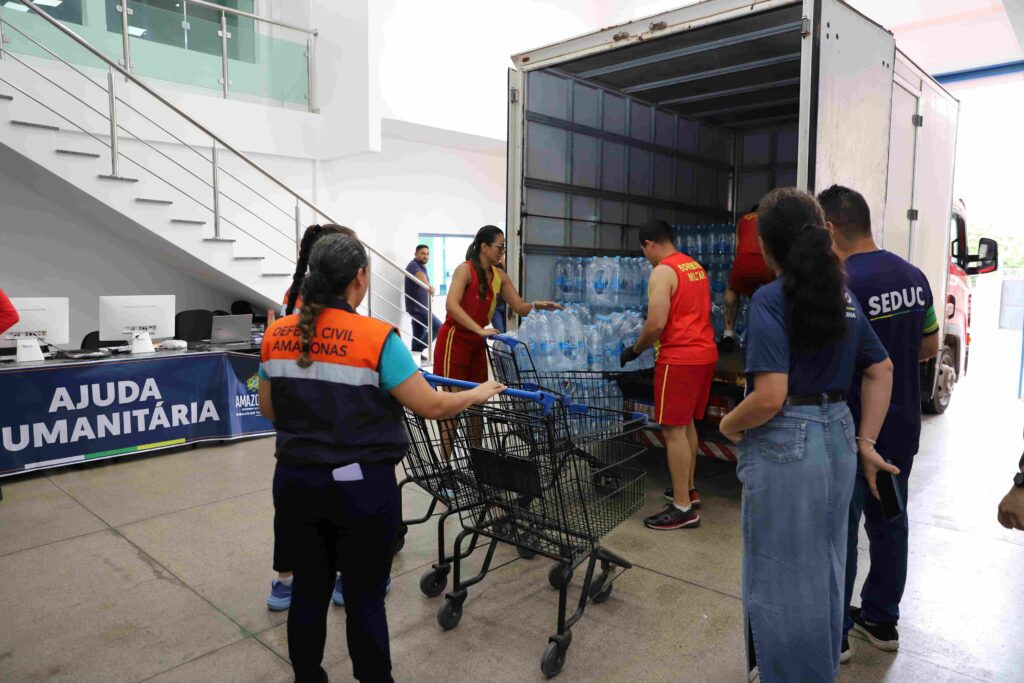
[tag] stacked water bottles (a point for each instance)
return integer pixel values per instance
(612, 282)
(575, 339)
(713, 246)
(605, 295)
(572, 349)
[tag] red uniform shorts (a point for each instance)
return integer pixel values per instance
(748, 273)
(681, 393)
(460, 355)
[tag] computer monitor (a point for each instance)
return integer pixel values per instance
(42, 318)
(122, 316)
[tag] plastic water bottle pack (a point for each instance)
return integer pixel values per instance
(567, 341)
(605, 297)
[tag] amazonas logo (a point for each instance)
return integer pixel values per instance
(251, 398)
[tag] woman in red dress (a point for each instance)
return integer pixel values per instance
(472, 298)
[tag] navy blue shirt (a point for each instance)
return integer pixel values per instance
(830, 369)
(898, 302)
(414, 292)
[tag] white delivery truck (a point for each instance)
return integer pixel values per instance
(692, 115)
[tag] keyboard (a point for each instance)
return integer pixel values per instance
(83, 355)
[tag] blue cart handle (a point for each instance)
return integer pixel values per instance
(505, 339)
(584, 409)
(542, 397)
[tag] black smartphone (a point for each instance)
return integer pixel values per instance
(891, 496)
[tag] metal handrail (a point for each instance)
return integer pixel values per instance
(248, 15)
(167, 103)
(121, 126)
(401, 293)
(147, 118)
(140, 166)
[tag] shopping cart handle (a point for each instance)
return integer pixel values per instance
(506, 340)
(584, 409)
(577, 408)
(542, 397)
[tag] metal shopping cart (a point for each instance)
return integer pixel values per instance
(513, 365)
(427, 465)
(543, 474)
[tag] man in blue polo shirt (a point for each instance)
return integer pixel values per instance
(417, 301)
(897, 300)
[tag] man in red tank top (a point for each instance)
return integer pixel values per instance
(679, 326)
(748, 273)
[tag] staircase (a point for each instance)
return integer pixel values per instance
(104, 133)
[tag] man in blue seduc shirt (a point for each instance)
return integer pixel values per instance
(897, 300)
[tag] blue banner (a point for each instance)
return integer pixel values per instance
(59, 414)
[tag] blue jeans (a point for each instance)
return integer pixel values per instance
(888, 547)
(419, 328)
(797, 472)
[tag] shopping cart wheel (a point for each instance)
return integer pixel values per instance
(598, 592)
(450, 614)
(560, 575)
(400, 538)
(434, 581)
(525, 553)
(554, 654)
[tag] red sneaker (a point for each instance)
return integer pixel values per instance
(669, 495)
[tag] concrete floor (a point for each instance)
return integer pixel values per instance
(157, 569)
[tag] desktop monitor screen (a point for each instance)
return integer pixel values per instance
(45, 319)
(121, 316)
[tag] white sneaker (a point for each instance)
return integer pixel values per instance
(846, 652)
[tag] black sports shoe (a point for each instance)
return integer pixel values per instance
(845, 653)
(673, 518)
(669, 496)
(883, 636)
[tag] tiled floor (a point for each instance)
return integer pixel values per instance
(157, 569)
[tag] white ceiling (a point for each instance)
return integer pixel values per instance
(940, 35)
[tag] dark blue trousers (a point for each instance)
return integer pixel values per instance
(419, 328)
(350, 526)
(888, 547)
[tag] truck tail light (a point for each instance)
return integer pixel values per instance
(718, 407)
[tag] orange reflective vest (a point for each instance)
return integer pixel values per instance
(333, 412)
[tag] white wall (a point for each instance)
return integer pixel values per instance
(417, 183)
(445, 64)
(989, 149)
(61, 248)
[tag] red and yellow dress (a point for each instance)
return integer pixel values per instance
(462, 353)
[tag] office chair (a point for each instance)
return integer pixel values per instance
(192, 326)
(92, 342)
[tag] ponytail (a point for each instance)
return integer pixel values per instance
(314, 294)
(792, 227)
(309, 238)
(485, 235)
(334, 263)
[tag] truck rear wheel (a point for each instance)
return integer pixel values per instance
(944, 384)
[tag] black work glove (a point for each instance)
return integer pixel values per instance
(628, 355)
